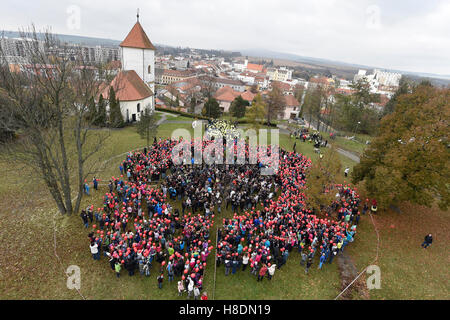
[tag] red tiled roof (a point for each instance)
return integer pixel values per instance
(128, 87)
(281, 85)
(291, 101)
(226, 94)
(248, 95)
(256, 67)
(321, 80)
(224, 89)
(137, 39)
(344, 91)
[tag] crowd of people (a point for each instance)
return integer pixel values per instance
(314, 137)
(137, 225)
(261, 240)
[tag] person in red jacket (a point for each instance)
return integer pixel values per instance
(262, 272)
(204, 296)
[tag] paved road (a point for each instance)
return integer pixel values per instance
(348, 154)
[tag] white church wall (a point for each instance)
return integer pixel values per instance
(130, 108)
(140, 60)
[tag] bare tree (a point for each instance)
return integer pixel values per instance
(208, 86)
(47, 99)
(275, 102)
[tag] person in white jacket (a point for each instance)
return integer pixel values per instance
(196, 293)
(180, 287)
(271, 270)
(94, 250)
(245, 259)
(190, 288)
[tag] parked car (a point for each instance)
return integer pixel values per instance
(297, 121)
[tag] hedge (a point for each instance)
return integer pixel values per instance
(196, 116)
(185, 114)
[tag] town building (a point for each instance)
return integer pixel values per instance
(169, 76)
(291, 108)
(134, 85)
(218, 83)
(382, 82)
(226, 95)
(255, 68)
(279, 74)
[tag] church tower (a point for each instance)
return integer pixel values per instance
(138, 54)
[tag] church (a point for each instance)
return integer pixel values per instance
(134, 84)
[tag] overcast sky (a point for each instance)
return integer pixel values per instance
(410, 35)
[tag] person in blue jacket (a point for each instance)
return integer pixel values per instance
(240, 248)
(322, 260)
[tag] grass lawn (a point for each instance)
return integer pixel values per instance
(29, 268)
(407, 270)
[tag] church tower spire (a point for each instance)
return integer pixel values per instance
(138, 54)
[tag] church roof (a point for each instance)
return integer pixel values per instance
(255, 67)
(128, 87)
(137, 38)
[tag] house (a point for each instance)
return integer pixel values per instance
(248, 96)
(225, 97)
(284, 87)
(168, 76)
(160, 104)
(240, 67)
(255, 68)
(291, 108)
(281, 74)
(218, 83)
(247, 77)
(324, 82)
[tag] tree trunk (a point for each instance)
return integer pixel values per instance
(50, 178)
(80, 164)
(65, 183)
